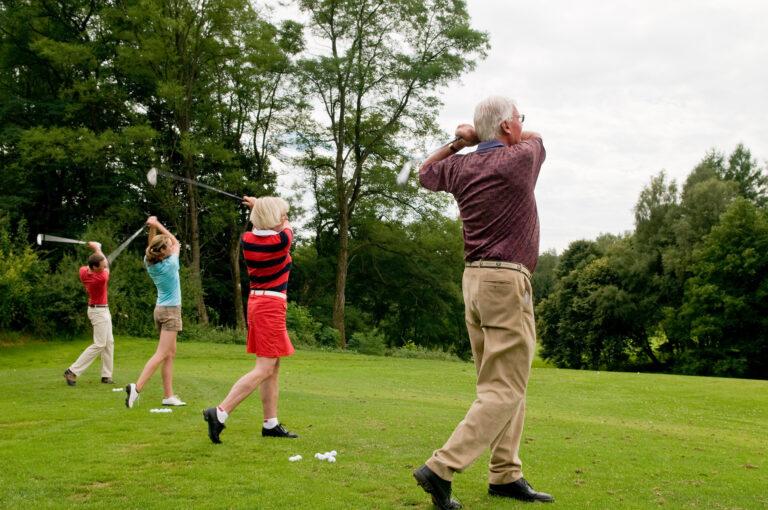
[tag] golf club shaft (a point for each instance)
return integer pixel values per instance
(196, 183)
(405, 171)
(57, 239)
(112, 256)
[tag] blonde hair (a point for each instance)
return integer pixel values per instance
(490, 113)
(153, 254)
(268, 212)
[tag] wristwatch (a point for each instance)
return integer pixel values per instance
(452, 148)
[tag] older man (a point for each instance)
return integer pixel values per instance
(494, 188)
(95, 277)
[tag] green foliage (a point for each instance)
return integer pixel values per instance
(20, 274)
(685, 292)
(726, 299)
(412, 351)
(369, 342)
(378, 77)
(304, 329)
(543, 279)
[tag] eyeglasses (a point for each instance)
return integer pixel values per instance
(519, 116)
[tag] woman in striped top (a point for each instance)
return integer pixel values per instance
(266, 250)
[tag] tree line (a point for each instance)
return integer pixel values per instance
(94, 93)
(685, 292)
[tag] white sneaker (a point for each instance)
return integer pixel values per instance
(173, 400)
(131, 395)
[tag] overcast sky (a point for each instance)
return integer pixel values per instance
(620, 90)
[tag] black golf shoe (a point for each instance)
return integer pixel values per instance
(214, 425)
(439, 489)
(278, 431)
(520, 490)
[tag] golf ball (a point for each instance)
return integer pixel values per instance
(331, 459)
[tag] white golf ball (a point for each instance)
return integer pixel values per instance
(331, 459)
(333, 452)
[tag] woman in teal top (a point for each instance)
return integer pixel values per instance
(162, 263)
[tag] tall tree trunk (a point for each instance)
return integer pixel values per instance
(194, 227)
(341, 278)
(237, 288)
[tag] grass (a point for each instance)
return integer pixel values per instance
(595, 440)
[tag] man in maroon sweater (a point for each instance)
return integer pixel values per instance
(494, 188)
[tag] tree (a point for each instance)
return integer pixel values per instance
(208, 75)
(726, 299)
(544, 278)
(747, 174)
(374, 85)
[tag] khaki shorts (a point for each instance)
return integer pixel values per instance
(168, 318)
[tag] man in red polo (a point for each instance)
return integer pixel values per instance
(95, 277)
(494, 188)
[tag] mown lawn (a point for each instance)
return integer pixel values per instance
(593, 439)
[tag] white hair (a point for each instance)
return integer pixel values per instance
(268, 212)
(490, 113)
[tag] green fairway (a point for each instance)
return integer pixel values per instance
(593, 439)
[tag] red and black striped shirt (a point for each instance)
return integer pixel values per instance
(267, 256)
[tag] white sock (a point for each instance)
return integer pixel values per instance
(221, 415)
(271, 423)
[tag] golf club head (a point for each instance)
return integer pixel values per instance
(152, 176)
(39, 239)
(405, 172)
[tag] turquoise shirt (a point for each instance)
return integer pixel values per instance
(165, 274)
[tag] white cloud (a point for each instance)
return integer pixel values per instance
(620, 91)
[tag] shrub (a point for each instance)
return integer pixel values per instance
(20, 272)
(302, 327)
(411, 350)
(369, 342)
(328, 337)
(194, 332)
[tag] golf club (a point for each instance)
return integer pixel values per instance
(152, 179)
(112, 256)
(405, 172)
(56, 239)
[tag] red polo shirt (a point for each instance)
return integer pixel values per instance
(95, 285)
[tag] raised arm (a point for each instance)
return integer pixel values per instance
(527, 135)
(96, 247)
(153, 223)
(465, 137)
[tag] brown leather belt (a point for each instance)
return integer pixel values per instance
(500, 264)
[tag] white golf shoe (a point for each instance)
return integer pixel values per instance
(173, 400)
(131, 395)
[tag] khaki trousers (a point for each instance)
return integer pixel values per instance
(103, 344)
(498, 306)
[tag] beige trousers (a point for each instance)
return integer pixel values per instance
(103, 344)
(498, 306)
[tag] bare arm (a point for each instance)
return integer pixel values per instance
(154, 223)
(465, 137)
(96, 247)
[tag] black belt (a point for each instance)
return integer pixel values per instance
(98, 306)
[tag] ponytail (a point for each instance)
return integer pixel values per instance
(154, 254)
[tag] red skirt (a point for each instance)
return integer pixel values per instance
(267, 334)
